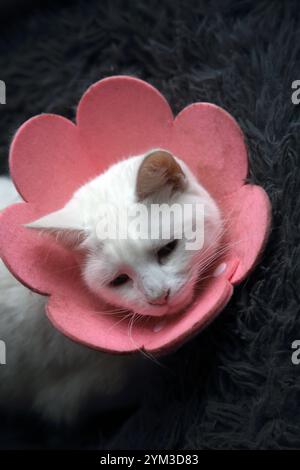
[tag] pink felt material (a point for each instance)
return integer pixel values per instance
(118, 117)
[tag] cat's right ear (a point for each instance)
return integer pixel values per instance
(64, 225)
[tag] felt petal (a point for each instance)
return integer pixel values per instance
(35, 259)
(216, 293)
(248, 216)
(46, 161)
(83, 318)
(210, 141)
(122, 116)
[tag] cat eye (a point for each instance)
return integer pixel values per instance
(166, 250)
(120, 280)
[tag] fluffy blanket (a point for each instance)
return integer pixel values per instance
(234, 385)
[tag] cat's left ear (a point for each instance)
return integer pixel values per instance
(159, 172)
(64, 225)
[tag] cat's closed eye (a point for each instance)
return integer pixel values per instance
(166, 250)
(119, 280)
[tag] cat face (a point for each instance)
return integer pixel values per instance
(152, 268)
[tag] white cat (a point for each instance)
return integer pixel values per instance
(47, 371)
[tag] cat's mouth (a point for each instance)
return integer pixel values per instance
(173, 307)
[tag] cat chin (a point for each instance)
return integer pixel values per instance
(173, 308)
(168, 310)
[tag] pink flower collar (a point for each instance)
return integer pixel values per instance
(120, 116)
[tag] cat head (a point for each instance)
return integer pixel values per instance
(147, 230)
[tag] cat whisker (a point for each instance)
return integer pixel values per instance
(148, 355)
(120, 321)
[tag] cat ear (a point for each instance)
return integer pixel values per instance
(158, 171)
(63, 224)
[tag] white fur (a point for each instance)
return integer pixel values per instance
(49, 372)
(44, 370)
(8, 193)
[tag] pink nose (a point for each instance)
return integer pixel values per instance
(161, 300)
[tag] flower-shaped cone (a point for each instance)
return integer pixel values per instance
(119, 117)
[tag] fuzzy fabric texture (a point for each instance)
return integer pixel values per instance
(234, 385)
